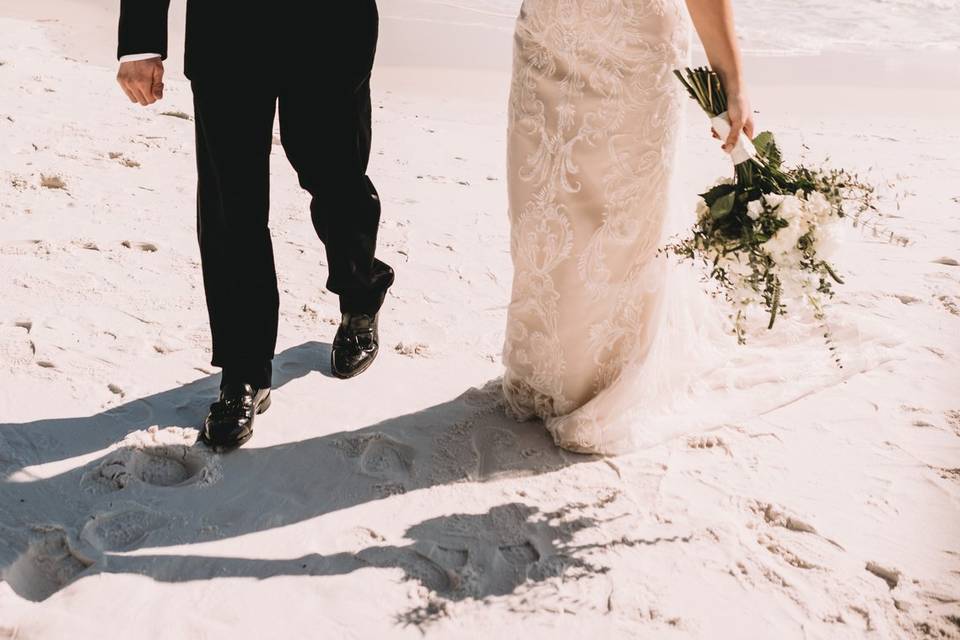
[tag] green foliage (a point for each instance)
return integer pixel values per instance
(731, 242)
(717, 192)
(723, 205)
(767, 149)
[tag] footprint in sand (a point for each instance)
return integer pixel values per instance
(156, 457)
(785, 553)
(501, 453)
(449, 560)
(520, 555)
(49, 563)
(415, 565)
(122, 159)
(906, 299)
(146, 247)
(122, 528)
(950, 304)
(486, 397)
(504, 448)
(495, 448)
(382, 457)
(953, 419)
(708, 442)
(778, 517)
(437, 568)
(412, 349)
(889, 575)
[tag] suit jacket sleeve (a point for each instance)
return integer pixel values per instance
(143, 27)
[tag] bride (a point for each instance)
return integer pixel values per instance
(594, 125)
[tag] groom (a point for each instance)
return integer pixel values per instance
(311, 61)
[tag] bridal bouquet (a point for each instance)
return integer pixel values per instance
(768, 234)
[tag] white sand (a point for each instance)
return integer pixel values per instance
(425, 510)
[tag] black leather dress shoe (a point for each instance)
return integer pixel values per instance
(355, 346)
(230, 423)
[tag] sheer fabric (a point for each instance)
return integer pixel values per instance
(609, 343)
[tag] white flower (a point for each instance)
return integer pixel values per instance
(819, 206)
(782, 247)
(791, 208)
(773, 200)
(828, 240)
(755, 209)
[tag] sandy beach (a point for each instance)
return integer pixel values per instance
(429, 512)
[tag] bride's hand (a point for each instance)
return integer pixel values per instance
(741, 119)
(714, 22)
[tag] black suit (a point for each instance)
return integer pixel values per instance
(313, 59)
(239, 37)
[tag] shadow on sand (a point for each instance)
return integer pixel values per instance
(159, 488)
(43, 441)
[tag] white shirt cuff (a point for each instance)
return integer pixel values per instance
(133, 57)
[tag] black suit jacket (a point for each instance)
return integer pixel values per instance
(251, 38)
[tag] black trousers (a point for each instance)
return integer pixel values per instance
(325, 131)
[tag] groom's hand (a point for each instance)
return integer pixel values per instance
(142, 80)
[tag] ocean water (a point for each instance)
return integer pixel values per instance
(768, 27)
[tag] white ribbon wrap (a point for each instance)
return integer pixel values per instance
(744, 149)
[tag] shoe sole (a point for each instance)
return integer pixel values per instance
(261, 408)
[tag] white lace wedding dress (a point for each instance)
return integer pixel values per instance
(598, 344)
